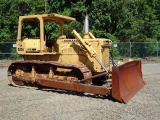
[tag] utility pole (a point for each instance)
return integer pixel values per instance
(45, 1)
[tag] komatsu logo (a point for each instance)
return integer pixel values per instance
(20, 49)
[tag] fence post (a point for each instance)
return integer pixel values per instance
(157, 48)
(130, 49)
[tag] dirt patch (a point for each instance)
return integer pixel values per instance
(18, 103)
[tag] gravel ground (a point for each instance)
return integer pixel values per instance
(33, 104)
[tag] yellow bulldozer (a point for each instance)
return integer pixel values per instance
(82, 64)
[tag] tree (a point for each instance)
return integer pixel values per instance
(118, 20)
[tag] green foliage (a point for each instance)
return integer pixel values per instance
(124, 21)
(15, 55)
(52, 31)
(141, 50)
(116, 54)
(118, 20)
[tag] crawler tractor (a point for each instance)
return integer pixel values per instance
(82, 64)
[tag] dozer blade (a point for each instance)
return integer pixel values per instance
(127, 80)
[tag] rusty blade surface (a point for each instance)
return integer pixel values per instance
(127, 80)
(74, 87)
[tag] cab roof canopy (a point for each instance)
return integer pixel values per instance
(48, 18)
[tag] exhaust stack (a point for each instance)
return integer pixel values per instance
(86, 24)
(87, 34)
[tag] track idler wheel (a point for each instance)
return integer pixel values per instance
(14, 82)
(19, 70)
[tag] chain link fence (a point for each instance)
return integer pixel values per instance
(136, 49)
(120, 50)
(8, 51)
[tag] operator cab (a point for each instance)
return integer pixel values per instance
(35, 32)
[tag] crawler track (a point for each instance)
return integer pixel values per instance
(24, 68)
(54, 74)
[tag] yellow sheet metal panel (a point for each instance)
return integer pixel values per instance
(32, 45)
(49, 17)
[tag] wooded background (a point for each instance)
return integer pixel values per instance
(118, 20)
